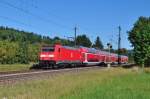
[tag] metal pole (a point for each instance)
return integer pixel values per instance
(75, 35)
(119, 44)
(109, 55)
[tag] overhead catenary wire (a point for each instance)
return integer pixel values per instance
(47, 20)
(18, 22)
(49, 11)
(34, 15)
(56, 16)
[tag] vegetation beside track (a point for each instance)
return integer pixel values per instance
(115, 83)
(14, 67)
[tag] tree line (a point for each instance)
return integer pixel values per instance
(23, 47)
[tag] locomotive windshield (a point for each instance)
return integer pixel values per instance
(48, 49)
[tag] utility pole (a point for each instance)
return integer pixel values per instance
(119, 44)
(75, 36)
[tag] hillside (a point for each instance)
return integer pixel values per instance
(15, 35)
(23, 47)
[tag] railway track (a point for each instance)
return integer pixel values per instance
(13, 72)
(14, 77)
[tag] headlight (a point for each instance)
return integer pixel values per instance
(50, 55)
(46, 55)
(42, 55)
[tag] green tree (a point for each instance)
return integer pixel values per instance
(83, 40)
(98, 44)
(8, 51)
(22, 54)
(33, 52)
(139, 36)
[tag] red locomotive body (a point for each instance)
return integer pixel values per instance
(58, 54)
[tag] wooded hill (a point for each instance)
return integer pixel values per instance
(18, 46)
(23, 47)
(14, 35)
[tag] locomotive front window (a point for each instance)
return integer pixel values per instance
(48, 49)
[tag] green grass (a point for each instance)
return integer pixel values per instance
(93, 84)
(14, 67)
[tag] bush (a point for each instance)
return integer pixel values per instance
(14, 52)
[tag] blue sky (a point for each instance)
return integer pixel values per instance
(58, 17)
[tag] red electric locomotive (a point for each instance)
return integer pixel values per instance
(59, 55)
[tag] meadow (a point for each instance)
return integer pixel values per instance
(14, 67)
(114, 83)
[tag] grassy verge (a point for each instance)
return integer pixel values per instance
(93, 84)
(14, 67)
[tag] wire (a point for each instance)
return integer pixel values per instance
(33, 5)
(39, 17)
(31, 14)
(16, 21)
(56, 16)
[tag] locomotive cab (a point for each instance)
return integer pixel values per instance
(48, 56)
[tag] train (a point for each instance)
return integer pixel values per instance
(59, 55)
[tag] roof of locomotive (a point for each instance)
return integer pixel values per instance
(72, 48)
